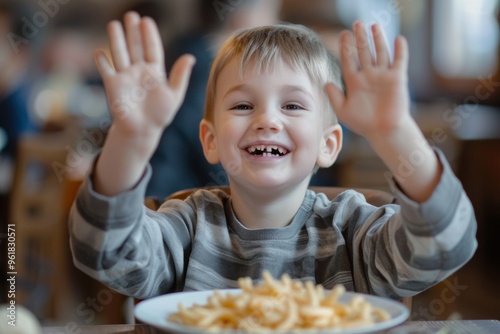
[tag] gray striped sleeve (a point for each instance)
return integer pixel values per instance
(108, 237)
(420, 245)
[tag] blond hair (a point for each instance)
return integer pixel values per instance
(266, 46)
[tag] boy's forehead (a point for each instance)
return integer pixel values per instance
(232, 74)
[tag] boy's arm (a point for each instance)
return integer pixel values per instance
(377, 106)
(141, 99)
(433, 233)
(108, 223)
(400, 250)
(137, 252)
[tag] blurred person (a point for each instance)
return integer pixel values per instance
(14, 86)
(178, 162)
(14, 111)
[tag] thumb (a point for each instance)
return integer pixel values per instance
(103, 65)
(181, 71)
(335, 96)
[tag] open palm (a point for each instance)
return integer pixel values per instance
(377, 99)
(141, 98)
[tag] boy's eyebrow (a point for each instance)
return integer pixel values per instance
(295, 88)
(235, 88)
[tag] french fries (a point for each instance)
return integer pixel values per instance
(276, 306)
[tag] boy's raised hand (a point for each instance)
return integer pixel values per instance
(141, 98)
(377, 106)
(377, 99)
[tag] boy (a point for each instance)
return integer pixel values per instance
(269, 123)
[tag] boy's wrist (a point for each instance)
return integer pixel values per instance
(394, 135)
(410, 158)
(142, 144)
(400, 142)
(123, 160)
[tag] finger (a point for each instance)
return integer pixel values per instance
(382, 52)
(153, 47)
(363, 45)
(118, 46)
(103, 65)
(134, 40)
(401, 54)
(348, 53)
(181, 71)
(335, 96)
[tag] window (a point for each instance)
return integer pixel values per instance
(465, 38)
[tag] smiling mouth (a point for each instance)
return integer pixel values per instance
(267, 150)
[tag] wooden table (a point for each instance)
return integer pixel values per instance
(421, 327)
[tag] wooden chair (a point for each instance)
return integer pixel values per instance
(373, 196)
(37, 211)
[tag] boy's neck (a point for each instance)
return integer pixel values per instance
(267, 208)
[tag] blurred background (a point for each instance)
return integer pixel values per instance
(54, 118)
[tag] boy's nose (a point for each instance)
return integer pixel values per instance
(267, 120)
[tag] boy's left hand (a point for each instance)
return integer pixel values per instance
(376, 102)
(377, 106)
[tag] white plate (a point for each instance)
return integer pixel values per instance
(155, 312)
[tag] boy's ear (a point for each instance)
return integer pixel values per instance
(207, 138)
(331, 144)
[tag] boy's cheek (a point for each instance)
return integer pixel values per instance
(233, 167)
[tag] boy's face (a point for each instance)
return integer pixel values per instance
(268, 129)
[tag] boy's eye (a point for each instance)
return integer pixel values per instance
(293, 107)
(241, 107)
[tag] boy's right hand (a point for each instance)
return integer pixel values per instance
(141, 99)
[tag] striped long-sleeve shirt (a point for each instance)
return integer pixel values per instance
(394, 250)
